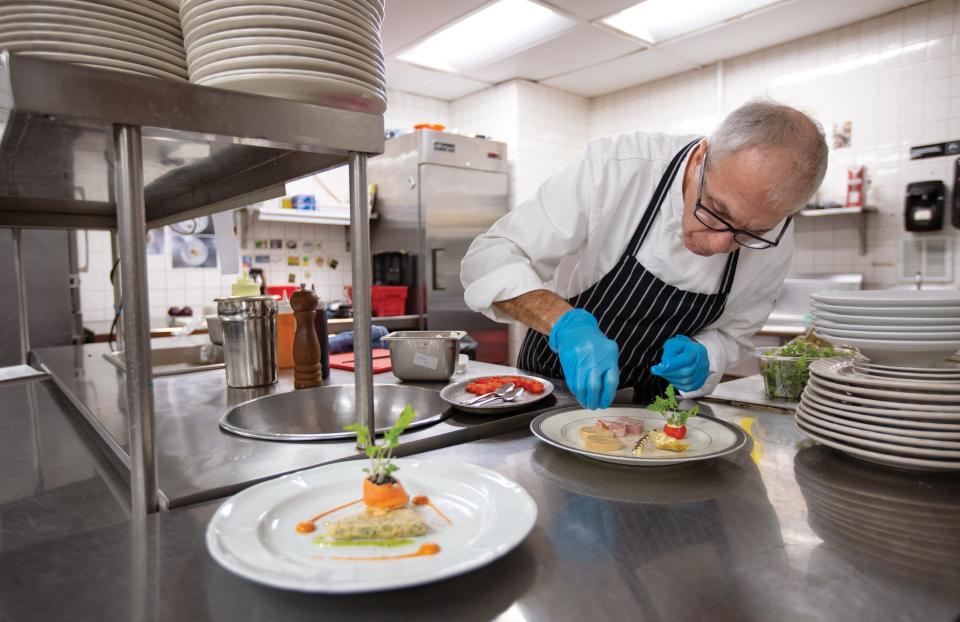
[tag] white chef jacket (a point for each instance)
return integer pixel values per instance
(576, 228)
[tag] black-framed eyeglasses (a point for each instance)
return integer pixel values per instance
(712, 221)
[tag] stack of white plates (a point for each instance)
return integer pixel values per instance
(324, 52)
(903, 418)
(917, 328)
(134, 36)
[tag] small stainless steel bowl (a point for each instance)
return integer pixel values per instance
(424, 354)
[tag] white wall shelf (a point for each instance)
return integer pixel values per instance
(859, 212)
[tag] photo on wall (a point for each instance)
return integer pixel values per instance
(192, 244)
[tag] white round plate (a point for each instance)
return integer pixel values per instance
(901, 375)
(813, 407)
(912, 420)
(891, 448)
(363, 12)
(946, 401)
(107, 50)
(201, 69)
(253, 534)
(253, 46)
(307, 87)
(708, 437)
(886, 334)
(883, 320)
(85, 15)
(326, 12)
(844, 371)
(904, 353)
(126, 10)
(108, 63)
(251, 34)
(900, 462)
(952, 312)
(79, 30)
(895, 437)
(948, 368)
(456, 393)
(909, 409)
(889, 297)
(886, 328)
(194, 33)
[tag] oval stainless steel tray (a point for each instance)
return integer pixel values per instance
(321, 413)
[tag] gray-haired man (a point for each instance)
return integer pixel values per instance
(651, 258)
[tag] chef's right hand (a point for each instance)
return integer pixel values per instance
(589, 360)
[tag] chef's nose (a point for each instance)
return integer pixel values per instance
(722, 242)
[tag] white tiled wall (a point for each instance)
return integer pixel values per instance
(896, 77)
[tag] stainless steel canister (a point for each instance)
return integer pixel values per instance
(249, 327)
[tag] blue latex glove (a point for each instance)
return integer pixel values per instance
(589, 360)
(685, 363)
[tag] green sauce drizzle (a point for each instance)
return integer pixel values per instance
(385, 543)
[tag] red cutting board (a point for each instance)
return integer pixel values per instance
(344, 360)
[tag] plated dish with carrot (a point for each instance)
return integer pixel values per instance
(359, 527)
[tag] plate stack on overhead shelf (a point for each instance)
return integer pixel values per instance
(324, 52)
(134, 36)
(900, 417)
(913, 328)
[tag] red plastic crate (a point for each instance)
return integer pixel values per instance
(386, 300)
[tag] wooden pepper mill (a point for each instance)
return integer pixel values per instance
(306, 345)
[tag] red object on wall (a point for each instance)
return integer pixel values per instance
(284, 291)
(386, 300)
(856, 179)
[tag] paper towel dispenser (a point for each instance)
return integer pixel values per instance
(924, 206)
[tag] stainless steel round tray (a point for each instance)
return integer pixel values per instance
(321, 413)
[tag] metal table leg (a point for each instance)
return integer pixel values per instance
(131, 237)
(360, 262)
(21, 297)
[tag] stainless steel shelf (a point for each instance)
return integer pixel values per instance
(82, 147)
(204, 149)
(860, 212)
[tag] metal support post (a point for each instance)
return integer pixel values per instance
(21, 297)
(362, 276)
(131, 238)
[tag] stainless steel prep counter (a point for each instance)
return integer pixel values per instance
(196, 460)
(739, 538)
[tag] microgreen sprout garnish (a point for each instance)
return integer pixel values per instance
(381, 466)
(669, 407)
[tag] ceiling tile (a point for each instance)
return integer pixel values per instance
(407, 21)
(452, 87)
(779, 24)
(405, 77)
(576, 49)
(592, 9)
(619, 73)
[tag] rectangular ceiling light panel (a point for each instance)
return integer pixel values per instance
(495, 31)
(656, 21)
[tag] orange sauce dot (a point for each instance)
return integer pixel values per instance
(430, 548)
(421, 500)
(305, 527)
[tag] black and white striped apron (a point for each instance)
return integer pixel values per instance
(637, 310)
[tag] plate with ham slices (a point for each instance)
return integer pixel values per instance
(634, 435)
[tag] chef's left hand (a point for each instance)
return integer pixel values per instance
(685, 364)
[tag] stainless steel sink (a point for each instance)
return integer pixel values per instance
(178, 360)
(321, 413)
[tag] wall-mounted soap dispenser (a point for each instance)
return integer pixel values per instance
(924, 206)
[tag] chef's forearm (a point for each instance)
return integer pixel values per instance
(539, 309)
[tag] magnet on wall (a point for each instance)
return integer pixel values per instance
(291, 278)
(333, 264)
(276, 243)
(306, 274)
(246, 261)
(260, 244)
(308, 247)
(276, 259)
(293, 260)
(305, 261)
(262, 259)
(291, 244)
(319, 261)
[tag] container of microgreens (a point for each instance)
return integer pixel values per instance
(785, 369)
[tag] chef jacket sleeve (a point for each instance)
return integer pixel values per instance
(728, 340)
(521, 251)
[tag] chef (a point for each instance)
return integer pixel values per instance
(651, 259)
